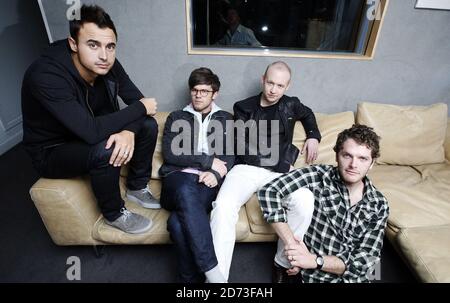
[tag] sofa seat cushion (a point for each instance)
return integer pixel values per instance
(258, 224)
(158, 233)
(410, 135)
(417, 196)
(330, 125)
(427, 251)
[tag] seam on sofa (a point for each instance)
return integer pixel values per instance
(64, 193)
(402, 231)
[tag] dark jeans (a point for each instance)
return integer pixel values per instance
(77, 158)
(188, 224)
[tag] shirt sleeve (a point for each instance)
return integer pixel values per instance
(306, 116)
(362, 260)
(128, 91)
(272, 194)
(58, 97)
(252, 41)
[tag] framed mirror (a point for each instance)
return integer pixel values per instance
(290, 28)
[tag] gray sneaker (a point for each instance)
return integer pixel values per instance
(131, 223)
(143, 197)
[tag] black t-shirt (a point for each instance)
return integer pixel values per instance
(269, 114)
(98, 98)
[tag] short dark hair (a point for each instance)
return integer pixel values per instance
(363, 135)
(91, 14)
(204, 75)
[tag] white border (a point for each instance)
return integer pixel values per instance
(433, 4)
(44, 17)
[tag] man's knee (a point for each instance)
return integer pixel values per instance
(99, 155)
(185, 196)
(149, 127)
(303, 201)
(226, 208)
(174, 227)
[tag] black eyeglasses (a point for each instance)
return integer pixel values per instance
(203, 92)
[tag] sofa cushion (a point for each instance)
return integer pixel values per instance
(417, 196)
(158, 233)
(427, 252)
(410, 135)
(258, 224)
(330, 126)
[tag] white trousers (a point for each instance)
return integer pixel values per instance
(239, 185)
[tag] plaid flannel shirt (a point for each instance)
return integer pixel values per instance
(352, 233)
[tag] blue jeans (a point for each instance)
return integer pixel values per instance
(188, 224)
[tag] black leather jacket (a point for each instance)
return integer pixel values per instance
(202, 161)
(290, 110)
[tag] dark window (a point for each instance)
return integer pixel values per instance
(309, 25)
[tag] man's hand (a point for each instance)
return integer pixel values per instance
(150, 105)
(299, 256)
(208, 179)
(123, 148)
(312, 150)
(293, 271)
(220, 167)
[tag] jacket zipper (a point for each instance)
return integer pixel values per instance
(87, 102)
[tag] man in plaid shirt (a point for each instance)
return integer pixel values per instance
(345, 237)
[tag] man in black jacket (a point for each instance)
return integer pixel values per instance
(195, 162)
(264, 150)
(73, 124)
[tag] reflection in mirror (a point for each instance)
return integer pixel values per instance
(342, 26)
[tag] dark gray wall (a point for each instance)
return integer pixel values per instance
(22, 38)
(411, 64)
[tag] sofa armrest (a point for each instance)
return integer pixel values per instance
(68, 209)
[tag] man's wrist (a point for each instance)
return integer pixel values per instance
(319, 261)
(216, 174)
(129, 132)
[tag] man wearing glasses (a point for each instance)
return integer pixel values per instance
(195, 162)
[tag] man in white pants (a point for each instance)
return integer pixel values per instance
(269, 116)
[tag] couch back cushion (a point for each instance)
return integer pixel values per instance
(410, 135)
(330, 125)
(160, 118)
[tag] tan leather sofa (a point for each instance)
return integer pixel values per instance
(413, 173)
